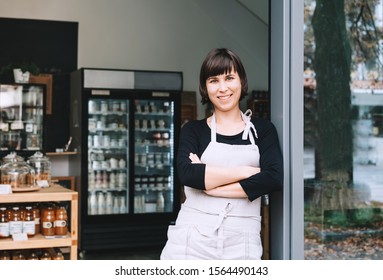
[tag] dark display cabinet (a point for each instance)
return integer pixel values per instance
(22, 109)
(125, 125)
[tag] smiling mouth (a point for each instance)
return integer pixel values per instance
(224, 97)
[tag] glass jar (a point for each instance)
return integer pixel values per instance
(29, 222)
(33, 256)
(4, 223)
(42, 167)
(36, 216)
(46, 256)
(17, 173)
(58, 255)
(61, 221)
(11, 157)
(48, 219)
(11, 140)
(16, 224)
(5, 255)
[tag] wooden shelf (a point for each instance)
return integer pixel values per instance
(37, 241)
(53, 193)
(61, 153)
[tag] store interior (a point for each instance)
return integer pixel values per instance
(160, 36)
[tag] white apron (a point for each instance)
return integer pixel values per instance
(217, 228)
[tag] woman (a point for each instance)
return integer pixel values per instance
(226, 163)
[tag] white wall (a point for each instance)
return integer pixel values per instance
(172, 35)
(157, 34)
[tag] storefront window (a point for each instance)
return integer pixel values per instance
(343, 122)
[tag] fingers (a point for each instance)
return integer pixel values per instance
(194, 158)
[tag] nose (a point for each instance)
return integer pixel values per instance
(222, 86)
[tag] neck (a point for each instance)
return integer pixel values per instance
(229, 123)
(229, 117)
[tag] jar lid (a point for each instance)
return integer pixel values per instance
(16, 167)
(12, 157)
(38, 157)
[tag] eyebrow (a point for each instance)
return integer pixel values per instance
(211, 78)
(215, 76)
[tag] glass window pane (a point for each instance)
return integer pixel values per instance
(343, 122)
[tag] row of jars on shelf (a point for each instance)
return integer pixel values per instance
(149, 203)
(105, 106)
(105, 141)
(108, 203)
(102, 123)
(98, 180)
(152, 107)
(105, 203)
(32, 254)
(18, 173)
(47, 219)
(149, 197)
(13, 139)
(105, 180)
(99, 162)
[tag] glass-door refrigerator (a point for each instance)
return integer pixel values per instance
(125, 125)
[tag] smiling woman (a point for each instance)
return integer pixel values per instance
(226, 163)
(219, 62)
(224, 90)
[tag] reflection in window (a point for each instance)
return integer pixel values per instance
(343, 122)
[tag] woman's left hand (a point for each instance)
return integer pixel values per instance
(194, 158)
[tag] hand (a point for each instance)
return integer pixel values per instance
(194, 158)
(229, 191)
(253, 170)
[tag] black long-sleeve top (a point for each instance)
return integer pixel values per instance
(195, 136)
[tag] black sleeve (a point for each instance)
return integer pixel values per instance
(191, 175)
(270, 178)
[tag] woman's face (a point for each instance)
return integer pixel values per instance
(224, 90)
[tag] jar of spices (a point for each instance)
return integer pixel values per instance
(18, 255)
(48, 219)
(4, 223)
(29, 222)
(58, 256)
(16, 223)
(36, 217)
(61, 221)
(18, 174)
(45, 256)
(33, 257)
(5, 255)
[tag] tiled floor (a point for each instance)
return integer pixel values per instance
(126, 254)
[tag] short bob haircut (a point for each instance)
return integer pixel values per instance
(218, 62)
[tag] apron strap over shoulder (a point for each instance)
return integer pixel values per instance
(246, 133)
(213, 129)
(249, 126)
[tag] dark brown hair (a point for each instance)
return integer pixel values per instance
(218, 62)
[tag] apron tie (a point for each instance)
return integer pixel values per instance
(249, 126)
(222, 215)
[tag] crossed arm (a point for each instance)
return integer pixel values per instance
(224, 181)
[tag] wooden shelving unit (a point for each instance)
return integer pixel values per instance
(61, 153)
(53, 193)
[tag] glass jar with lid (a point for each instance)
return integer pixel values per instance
(17, 173)
(12, 156)
(42, 167)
